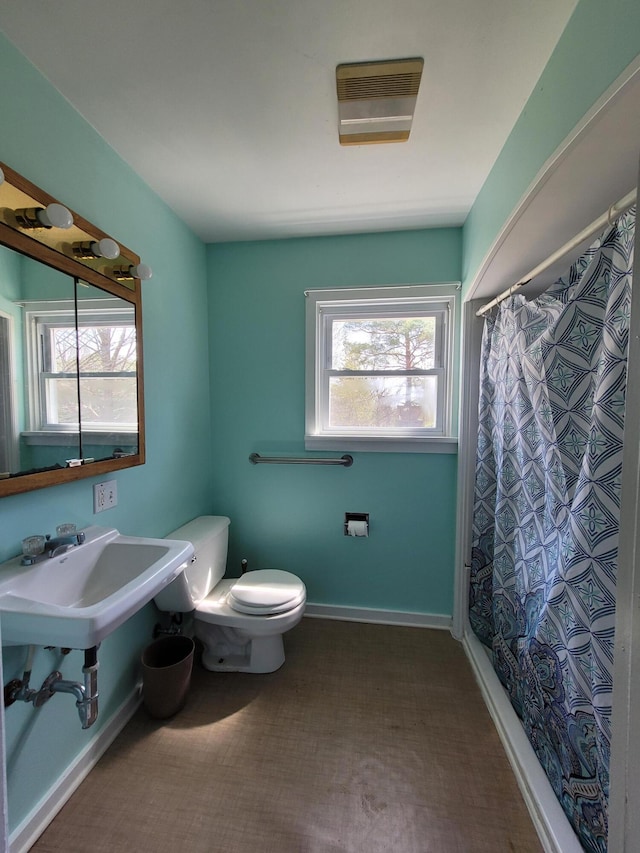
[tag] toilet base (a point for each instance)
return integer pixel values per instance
(227, 650)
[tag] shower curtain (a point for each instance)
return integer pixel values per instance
(546, 514)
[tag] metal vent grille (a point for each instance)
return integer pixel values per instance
(376, 100)
(384, 86)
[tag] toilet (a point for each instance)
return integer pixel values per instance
(240, 621)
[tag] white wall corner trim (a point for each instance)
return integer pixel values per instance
(624, 816)
(554, 830)
(34, 824)
(472, 328)
(380, 617)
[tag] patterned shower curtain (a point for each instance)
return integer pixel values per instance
(547, 502)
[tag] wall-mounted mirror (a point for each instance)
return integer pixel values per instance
(70, 360)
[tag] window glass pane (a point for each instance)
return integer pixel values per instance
(62, 352)
(395, 343)
(61, 401)
(391, 402)
(104, 349)
(108, 400)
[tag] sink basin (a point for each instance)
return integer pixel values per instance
(75, 599)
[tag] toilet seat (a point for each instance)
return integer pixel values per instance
(266, 592)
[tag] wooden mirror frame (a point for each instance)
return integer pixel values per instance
(52, 247)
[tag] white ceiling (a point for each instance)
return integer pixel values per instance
(227, 108)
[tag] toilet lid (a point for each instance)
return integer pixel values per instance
(266, 591)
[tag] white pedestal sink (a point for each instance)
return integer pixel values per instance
(75, 599)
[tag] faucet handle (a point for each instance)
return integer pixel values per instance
(66, 529)
(32, 546)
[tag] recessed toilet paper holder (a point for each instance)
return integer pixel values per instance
(359, 517)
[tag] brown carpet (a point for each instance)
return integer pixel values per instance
(370, 738)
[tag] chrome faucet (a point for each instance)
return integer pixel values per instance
(60, 544)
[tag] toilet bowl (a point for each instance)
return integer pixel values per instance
(240, 621)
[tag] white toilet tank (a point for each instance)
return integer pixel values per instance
(209, 535)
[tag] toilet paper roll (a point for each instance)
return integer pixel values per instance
(357, 528)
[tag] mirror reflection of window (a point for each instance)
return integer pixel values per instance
(57, 372)
(67, 392)
(107, 364)
(26, 282)
(85, 371)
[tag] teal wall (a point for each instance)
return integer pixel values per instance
(10, 280)
(291, 516)
(75, 165)
(600, 40)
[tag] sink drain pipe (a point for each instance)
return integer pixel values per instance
(86, 694)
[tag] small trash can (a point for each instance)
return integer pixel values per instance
(166, 673)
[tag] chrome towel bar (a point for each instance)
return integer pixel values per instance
(256, 459)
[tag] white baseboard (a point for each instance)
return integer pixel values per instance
(34, 824)
(554, 830)
(382, 617)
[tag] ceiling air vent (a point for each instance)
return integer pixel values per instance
(376, 100)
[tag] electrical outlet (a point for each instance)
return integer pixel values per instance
(105, 495)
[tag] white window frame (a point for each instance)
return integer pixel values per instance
(323, 307)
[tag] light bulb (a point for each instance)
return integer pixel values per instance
(141, 271)
(105, 248)
(55, 216)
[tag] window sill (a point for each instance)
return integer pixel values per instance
(65, 438)
(382, 444)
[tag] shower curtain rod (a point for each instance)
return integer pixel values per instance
(607, 218)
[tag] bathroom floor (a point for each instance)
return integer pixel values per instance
(370, 738)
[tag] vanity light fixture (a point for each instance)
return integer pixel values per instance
(88, 249)
(54, 215)
(140, 271)
(27, 209)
